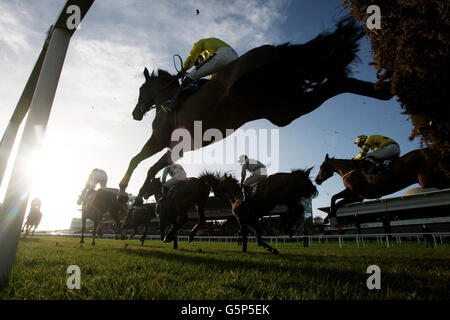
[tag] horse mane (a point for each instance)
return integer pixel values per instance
(304, 172)
(210, 178)
(161, 73)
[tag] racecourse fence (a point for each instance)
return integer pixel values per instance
(389, 239)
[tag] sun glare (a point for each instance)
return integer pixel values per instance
(54, 182)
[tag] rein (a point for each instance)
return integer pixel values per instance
(354, 170)
(175, 77)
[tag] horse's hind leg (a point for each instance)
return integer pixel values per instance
(244, 237)
(257, 233)
(175, 242)
(145, 235)
(201, 220)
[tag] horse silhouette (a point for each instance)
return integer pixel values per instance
(172, 211)
(96, 204)
(413, 167)
(278, 189)
(136, 217)
(278, 83)
(32, 222)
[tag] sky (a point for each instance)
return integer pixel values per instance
(91, 126)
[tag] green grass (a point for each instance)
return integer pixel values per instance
(200, 270)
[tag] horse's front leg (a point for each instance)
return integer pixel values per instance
(164, 161)
(94, 232)
(151, 147)
(201, 220)
(244, 237)
(179, 222)
(175, 242)
(145, 234)
(346, 193)
(83, 228)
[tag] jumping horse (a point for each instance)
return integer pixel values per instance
(278, 83)
(413, 167)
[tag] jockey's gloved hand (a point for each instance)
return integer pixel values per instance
(181, 73)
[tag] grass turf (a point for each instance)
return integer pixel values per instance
(202, 270)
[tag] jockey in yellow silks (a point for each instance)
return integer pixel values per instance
(208, 55)
(380, 147)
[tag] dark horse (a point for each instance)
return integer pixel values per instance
(413, 167)
(97, 203)
(33, 220)
(278, 189)
(192, 192)
(139, 216)
(277, 83)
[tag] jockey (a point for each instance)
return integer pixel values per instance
(257, 169)
(208, 55)
(97, 176)
(36, 204)
(381, 147)
(177, 174)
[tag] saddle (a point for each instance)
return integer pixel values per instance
(191, 88)
(249, 192)
(375, 166)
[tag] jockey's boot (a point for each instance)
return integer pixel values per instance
(164, 192)
(172, 105)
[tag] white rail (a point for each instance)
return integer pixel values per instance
(389, 239)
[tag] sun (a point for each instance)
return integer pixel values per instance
(55, 177)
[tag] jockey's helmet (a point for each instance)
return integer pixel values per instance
(242, 159)
(360, 138)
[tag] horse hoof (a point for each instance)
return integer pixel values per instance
(275, 251)
(190, 239)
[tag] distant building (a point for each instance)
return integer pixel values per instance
(403, 214)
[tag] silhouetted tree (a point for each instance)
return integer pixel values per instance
(411, 49)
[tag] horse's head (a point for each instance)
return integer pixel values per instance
(228, 188)
(325, 172)
(153, 188)
(146, 98)
(156, 89)
(310, 189)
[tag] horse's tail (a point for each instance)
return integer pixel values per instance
(326, 56)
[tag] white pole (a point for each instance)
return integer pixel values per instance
(20, 111)
(16, 198)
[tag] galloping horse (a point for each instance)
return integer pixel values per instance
(413, 167)
(33, 220)
(277, 83)
(192, 192)
(96, 204)
(278, 189)
(139, 216)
